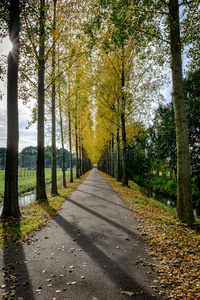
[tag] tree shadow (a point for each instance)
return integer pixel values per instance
(11, 230)
(99, 187)
(116, 272)
(15, 272)
(95, 196)
(48, 208)
(111, 222)
(118, 275)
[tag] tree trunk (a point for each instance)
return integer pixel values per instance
(125, 177)
(118, 156)
(107, 160)
(83, 161)
(112, 157)
(70, 148)
(123, 124)
(77, 156)
(61, 132)
(40, 184)
(184, 192)
(80, 155)
(54, 189)
(76, 137)
(11, 205)
(63, 150)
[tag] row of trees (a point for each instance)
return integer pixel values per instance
(48, 69)
(148, 26)
(96, 68)
(151, 155)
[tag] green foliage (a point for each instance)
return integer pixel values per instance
(137, 160)
(162, 138)
(119, 21)
(161, 142)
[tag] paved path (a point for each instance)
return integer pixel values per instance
(90, 250)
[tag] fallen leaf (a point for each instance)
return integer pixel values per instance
(127, 293)
(71, 283)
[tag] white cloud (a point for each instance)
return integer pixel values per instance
(27, 137)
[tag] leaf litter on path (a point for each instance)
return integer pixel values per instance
(174, 245)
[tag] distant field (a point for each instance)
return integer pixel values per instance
(28, 183)
(2, 175)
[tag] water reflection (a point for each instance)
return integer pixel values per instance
(167, 200)
(24, 200)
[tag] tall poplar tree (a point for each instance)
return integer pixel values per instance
(54, 189)
(11, 205)
(184, 190)
(40, 186)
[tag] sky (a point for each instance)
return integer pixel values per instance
(27, 137)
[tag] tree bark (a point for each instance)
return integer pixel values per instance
(11, 205)
(54, 189)
(83, 161)
(118, 156)
(125, 177)
(123, 125)
(70, 148)
(80, 156)
(61, 130)
(109, 157)
(77, 154)
(112, 157)
(63, 148)
(184, 191)
(40, 184)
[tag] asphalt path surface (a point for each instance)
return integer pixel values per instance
(90, 250)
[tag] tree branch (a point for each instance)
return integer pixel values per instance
(64, 70)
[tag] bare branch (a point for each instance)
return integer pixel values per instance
(27, 77)
(64, 70)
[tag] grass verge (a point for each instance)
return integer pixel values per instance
(34, 216)
(174, 245)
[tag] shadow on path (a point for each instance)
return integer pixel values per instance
(15, 273)
(113, 270)
(99, 187)
(113, 223)
(95, 196)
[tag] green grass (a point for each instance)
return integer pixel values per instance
(2, 175)
(27, 184)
